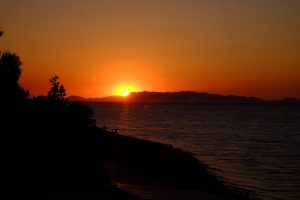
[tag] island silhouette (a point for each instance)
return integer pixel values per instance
(185, 97)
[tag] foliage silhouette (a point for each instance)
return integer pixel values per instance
(57, 93)
(10, 72)
(51, 137)
(10, 67)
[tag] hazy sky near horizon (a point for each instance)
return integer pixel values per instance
(242, 47)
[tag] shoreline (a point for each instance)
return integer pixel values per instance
(162, 166)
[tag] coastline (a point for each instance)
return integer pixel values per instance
(153, 170)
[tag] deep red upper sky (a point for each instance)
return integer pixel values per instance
(103, 47)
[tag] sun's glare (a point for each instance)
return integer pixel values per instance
(124, 90)
(125, 94)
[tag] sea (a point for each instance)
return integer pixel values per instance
(254, 147)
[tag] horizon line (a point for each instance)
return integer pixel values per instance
(191, 91)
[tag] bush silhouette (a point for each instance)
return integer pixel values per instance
(10, 73)
(57, 93)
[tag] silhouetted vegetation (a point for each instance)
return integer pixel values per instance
(57, 93)
(49, 143)
(10, 72)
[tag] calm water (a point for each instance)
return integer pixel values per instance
(253, 147)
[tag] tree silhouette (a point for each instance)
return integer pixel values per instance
(10, 73)
(57, 93)
(10, 67)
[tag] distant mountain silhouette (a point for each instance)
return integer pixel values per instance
(104, 99)
(184, 97)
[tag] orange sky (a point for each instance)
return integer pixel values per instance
(237, 47)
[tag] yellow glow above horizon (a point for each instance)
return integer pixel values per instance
(124, 90)
(247, 48)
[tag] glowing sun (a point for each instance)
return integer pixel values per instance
(124, 90)
(125, 93)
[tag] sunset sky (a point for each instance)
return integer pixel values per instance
(100, 47)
